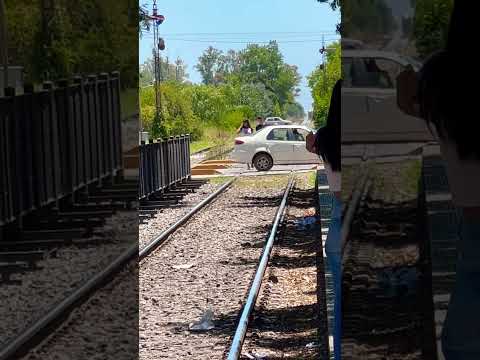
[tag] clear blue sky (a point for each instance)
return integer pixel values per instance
(297, 25)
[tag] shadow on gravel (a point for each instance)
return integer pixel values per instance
(302, 199)
(286, 320)
(257, 201)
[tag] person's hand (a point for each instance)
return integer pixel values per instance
(407, 85)
(310, 143)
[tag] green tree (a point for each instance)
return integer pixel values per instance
(295, 110)
(431, 22)
(366, 20)
(169, 71)
(322, 80)
(265, 65)
(89, 37)
(209, 65)
(176, 113)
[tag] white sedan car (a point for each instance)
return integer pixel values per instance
(274, 145)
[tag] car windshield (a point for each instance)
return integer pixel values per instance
(415, 63)
(263, 129)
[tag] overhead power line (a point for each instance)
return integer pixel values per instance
(247, 42)
(250, 41)
(286, 33)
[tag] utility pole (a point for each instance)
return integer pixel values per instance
(324, 50)
(48, 14)
(158, 44)
(4, 42)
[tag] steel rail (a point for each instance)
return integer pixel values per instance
(357, 195)
(62, 308)
(38, 330)
(161, 239)
(241, 331)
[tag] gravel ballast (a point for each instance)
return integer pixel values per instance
(288, 322)
(208, 263)
(168, 216)
(59, 276)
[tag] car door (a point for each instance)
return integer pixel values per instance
(278, 145)
(381, 119)
(300, 153)
(383, 109)
(354, 109)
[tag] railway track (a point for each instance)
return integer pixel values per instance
(285, 313)
(386, 263)
(27, 260)
(160, 239)
(87, 228)
(223, 276)
(53, 319)
(248, 307)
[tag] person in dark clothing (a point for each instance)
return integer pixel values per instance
(326, 144)
(260, 124)
(441, 94)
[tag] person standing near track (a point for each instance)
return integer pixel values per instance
(442, 95)
(246, 128)
(326, 143)
(260, 124)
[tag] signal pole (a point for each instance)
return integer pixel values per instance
(4, 43)
(158, 44)
(323, 51)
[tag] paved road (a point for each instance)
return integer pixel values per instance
(241, 169)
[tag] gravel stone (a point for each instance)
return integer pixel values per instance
(59, 276)
(220, 270)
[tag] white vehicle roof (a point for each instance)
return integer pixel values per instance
(403, 60)
(287, 127)
(351, 44)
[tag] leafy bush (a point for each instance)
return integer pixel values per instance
(322, 80)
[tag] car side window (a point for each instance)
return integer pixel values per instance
(298, 135)
(347, 64)
(390, 69)
(374, 73)
(278, 135)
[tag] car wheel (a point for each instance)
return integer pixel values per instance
(263, 162)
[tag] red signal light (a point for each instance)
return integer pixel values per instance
(239, 142)
(161, 44)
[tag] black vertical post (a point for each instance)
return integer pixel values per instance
(28, 135)
(67, 141)
(5, 203)
(161, 164)
(117, 122)
(92, 127)
(189, 165)
(96, 128)
(142, 169)
(107, 123)
(50, 111)
(14, 158)
(79, 111)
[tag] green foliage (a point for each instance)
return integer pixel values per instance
(264, 65)
(322, 80)
(209, 66)
(295, 110)
(264, 81)
(431, 22)
(367, 20)
(88, 37)
(168, 71)
(236, 85)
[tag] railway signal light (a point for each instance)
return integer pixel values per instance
(160, 19)
(161, 44)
